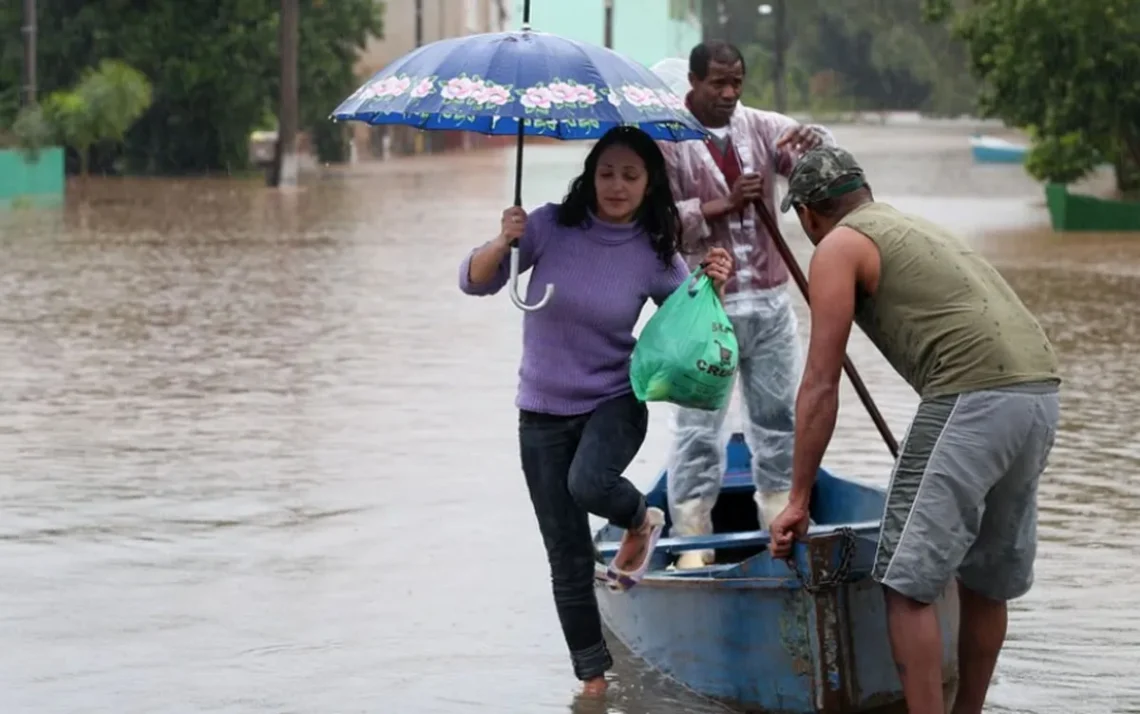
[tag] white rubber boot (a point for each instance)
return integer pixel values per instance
(692, 559)
(770, 505)
(691, 519)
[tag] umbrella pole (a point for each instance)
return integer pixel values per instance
(848, 366)
(514, 280)
(519, 166)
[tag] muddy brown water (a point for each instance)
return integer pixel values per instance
(257, 452)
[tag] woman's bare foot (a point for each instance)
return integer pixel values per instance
(595, 687)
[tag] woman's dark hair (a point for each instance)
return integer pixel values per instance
(657, 215)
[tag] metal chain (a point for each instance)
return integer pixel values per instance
(841, 572)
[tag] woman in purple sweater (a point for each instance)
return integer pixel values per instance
(608, 247)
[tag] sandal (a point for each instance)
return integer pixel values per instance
(620, 581)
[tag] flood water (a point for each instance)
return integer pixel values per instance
(258, 453)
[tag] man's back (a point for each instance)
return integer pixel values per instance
(942, 315)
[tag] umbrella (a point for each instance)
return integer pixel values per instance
(674, 72)
(520, 83)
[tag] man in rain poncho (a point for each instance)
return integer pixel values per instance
(716, 184)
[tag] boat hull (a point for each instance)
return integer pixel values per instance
(772, 651)
(750, 635)
(1069, 212)
(990, 150)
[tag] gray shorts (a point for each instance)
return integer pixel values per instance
(963, 495)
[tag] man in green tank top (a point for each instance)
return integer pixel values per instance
(962, 501)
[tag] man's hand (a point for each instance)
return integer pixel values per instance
(800, 138)
(792, 523)
(748, 189)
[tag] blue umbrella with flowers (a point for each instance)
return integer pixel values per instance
(520, 83)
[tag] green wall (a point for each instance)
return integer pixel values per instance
(23, 182)
(644, 30)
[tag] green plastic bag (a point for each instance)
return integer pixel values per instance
(687, 353)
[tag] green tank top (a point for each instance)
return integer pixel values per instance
(942, 316)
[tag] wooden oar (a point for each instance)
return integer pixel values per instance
(848, 366)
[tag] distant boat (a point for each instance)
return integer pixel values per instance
(746, 630)
(992, 150)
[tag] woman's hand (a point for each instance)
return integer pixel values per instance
(514, 225)
(718, 266)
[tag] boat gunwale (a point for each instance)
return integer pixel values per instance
(739, 539)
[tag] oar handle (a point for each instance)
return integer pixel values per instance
(848, 366)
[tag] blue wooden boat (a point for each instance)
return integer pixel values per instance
(992, 150)
(761, 636)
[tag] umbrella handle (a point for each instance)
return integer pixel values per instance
(514, 291)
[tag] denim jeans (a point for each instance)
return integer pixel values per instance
(573, 466)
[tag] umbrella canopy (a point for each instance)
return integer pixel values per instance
(489, 83)
(674, 72)
(521, 83)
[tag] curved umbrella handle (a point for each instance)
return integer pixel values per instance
(514, 291)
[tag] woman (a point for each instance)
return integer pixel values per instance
(608, 247)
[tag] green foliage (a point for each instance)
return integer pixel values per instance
(1067, 68)
(333, 32)
(847, 55)
(1061, 159)
(30, 132)
(104, 105)
(214, 68)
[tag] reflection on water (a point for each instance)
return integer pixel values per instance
(258, 454)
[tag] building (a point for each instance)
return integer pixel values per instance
(439, 19)
(644, 30)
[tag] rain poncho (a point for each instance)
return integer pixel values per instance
(696, 179)
(768, 375)
(760, 308)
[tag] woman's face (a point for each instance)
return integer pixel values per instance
(620, 182)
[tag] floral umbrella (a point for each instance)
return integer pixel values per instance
(520, 83)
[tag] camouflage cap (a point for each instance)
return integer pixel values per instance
(822, 173)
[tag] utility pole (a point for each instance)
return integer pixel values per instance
(419, 139)
(779, 52)
(29, 31)
(284, 172)
(419, 23)
(609, 24)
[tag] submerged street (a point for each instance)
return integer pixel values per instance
(258, 453)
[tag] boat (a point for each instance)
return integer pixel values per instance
(755, 633)
(993, 150)
(1077, 212)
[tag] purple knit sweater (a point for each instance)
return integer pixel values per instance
(576, 349)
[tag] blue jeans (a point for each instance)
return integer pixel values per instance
(573, 466)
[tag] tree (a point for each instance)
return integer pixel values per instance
(333, 33)
(850, 54)
(1066, 70)
(104, 105)
(213, 67)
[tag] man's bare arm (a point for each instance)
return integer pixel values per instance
(834, 274)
